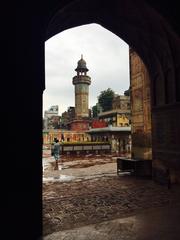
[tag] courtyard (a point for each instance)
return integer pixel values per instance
(85, 199)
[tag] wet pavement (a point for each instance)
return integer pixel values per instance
(79, 168)
(160, 224)
(85, 199)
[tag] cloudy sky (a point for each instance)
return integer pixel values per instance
(106, 56)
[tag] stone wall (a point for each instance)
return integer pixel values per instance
(84, 148)
(155, 128)
(133, 21)
(166, 142)
(141, 110)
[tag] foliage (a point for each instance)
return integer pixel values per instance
(105, 99)
(127, 92)
(95, 111)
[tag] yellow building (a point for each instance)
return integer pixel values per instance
(116, 117)
(122, 121)
(64, 135)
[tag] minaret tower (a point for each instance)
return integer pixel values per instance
(81, 82)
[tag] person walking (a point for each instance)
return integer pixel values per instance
(56, 153)
(52, 146)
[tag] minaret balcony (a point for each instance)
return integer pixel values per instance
(81, 79)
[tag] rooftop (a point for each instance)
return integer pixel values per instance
(114, 111)
(110, 129)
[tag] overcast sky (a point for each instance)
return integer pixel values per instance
(106, 56)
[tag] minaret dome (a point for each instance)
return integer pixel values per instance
(81, 66)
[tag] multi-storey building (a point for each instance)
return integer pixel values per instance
(120, 115)
(67, 117)
(52, 111)
(121, 102)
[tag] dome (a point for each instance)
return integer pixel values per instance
(81, 65)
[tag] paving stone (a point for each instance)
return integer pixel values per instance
(68, 205)
(90, 202)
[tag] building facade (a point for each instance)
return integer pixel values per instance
(116, 118)
(67, 117)
(52, 111)
(121, 102)
(51, 118)
(120, 114)
(64, 135)
(118, 137)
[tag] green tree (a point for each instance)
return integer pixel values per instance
(127, 92)
(105, 99)
(94, 111)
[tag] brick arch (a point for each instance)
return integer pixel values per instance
(35, 23)
(139, 25)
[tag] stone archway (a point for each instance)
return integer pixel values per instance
(36, 21)
(153, 39)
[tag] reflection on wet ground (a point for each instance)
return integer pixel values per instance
(61, 178)
(85, 199)
(75, 168)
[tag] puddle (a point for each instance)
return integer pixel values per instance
(61, 178)
(47, 163)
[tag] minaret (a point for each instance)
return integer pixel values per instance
(81, 82)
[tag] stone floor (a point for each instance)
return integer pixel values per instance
(92, 202)
(155, 224)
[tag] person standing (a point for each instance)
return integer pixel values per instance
(56, 153)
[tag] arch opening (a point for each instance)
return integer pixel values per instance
(148, 33)
(135, 22)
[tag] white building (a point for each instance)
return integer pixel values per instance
(52, 111)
